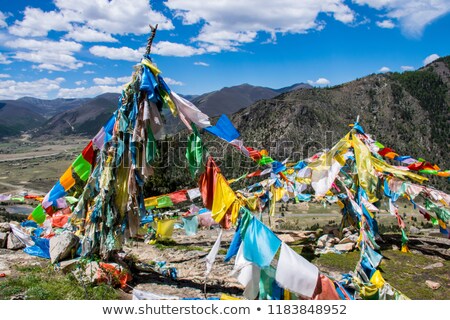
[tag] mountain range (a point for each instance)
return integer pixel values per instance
(83, 116)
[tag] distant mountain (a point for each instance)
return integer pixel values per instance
(17, 116)
(231, 99)
(49, 108)
(296, 86)
(84, 116)
(86, 119)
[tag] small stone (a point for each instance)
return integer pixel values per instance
(345, 240)
(14, 243)
(433, 285)
(62, 245)
(326, 240)
(395, 247)
(3, 239)
(434, 265)
(414, 230)
(345, 246)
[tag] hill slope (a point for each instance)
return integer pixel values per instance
(229, 100)
(17, 116)
(49, 108)
(407, 112)
(86, 119)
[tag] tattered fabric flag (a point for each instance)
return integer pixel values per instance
(224, 129)
(295, 273)
(194, 193)
(194, 152)
(224, 197)
(189, 112)
(178, 196)
(211, 257)
(260, 244)
(207, 183)
(249, 274)
(164, 202)
(38, 214)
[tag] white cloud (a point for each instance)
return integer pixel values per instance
(116, 16)
(407, 68)
(81, 82)
(430, 59)
(227, 24)
(84, 92)
(111, 81)
(125, 79)
(49, 55)
(122, 53)
(319, 82)
(85, 34)
(3, 23)
(200, 63)
(386, 24)
(105, 81)
(413, 15)
(173, 82)
(11, 89)
(4, 59)
(104, 16)
(38, 23)
(384, 70)
(167, 48)
(89, 72)
(4, 75)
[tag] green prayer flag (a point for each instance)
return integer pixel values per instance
(82, 167)
(440, 212)
(151, 150)
(404, 237)
(71, 199)
(194, 152)
(246, 217)
(164, 202)
(379, 145)
(265, 160)
(38, 214)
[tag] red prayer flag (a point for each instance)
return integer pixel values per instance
(178, 196)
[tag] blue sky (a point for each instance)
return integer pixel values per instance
(66, 48)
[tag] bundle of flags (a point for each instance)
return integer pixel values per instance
(108, 178)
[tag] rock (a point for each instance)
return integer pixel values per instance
(14, 243)
(3, 239)
(433, 285)
(352, 238)
(414, 230)
(345, 246)
(62, 245)
(395, 247)
(68, 265)
(4, 227)
(327, 240)
(286, 238)
(434, 265)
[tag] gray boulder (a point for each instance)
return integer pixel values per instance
(61, 246)
(4, 227)
(14, 243)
